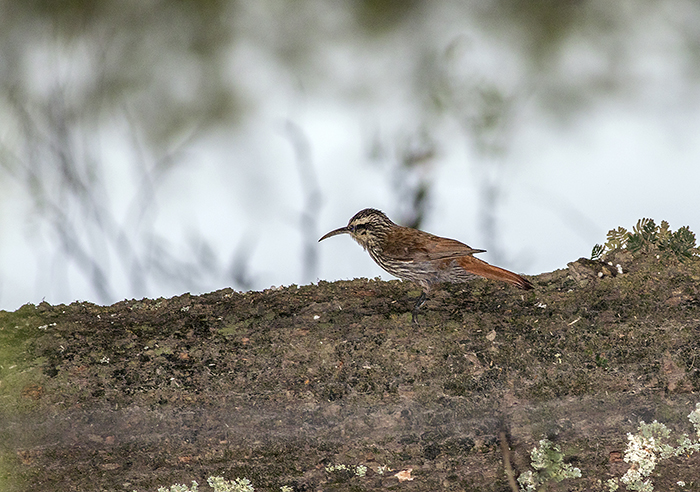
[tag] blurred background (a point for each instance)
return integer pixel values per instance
(150, 148)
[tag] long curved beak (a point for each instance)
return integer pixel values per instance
(340, 230)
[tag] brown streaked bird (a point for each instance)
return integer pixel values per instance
(419, 256)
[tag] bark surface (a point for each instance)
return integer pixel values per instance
(275, 386)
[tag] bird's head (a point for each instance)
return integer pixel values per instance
(366, 227)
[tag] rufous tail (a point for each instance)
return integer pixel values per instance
(483, 269)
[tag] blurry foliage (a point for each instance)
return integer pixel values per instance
(174, 55)
(549, 21)
(167, 73)
(412, 177)
(382, 15)
(647, 237)
(161, 62)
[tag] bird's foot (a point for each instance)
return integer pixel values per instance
(419, 303)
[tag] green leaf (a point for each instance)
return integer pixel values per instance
(647, 230)
(635, 243)
(682, 243)
(617, 238)
(597, 252)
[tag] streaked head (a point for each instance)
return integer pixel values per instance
(365, 227)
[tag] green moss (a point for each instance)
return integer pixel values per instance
(10, 479)
(20, 374)
(235, 328)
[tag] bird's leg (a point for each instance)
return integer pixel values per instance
(419, 303)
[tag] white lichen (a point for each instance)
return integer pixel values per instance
(382, 469)
(180, 488)
(219, 484)
(694, 418)
(359, 470)
(334, 468)
(548, 461)
(238, 485)
(650, 446)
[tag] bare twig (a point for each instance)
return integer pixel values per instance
(412, 178)
(239, 269)
(312, 198)
(505, 451)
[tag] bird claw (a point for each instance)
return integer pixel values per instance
(419, 303)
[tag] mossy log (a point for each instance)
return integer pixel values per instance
(275, 386)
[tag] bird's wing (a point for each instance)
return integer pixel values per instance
(405, 244)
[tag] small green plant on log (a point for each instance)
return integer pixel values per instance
(648, 237)
(548, 462)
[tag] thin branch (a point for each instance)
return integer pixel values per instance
(505, 451)
(312, 198)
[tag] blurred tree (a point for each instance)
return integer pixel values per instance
(75, 73)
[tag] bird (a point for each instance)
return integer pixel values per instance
(420, 257)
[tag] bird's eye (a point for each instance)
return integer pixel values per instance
(352, 228)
